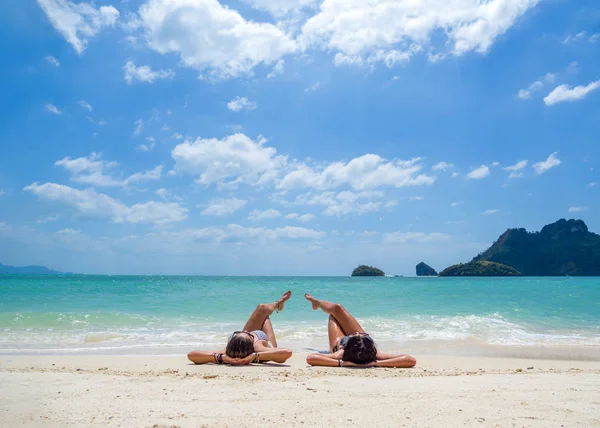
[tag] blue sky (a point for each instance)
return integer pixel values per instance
(299, 137)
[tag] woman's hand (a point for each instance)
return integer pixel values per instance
(243, 361)
(339, 354)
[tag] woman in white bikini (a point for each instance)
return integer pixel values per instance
(256, 343)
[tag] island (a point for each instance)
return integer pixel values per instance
(480, 269)
(565, 247)
(364, 270)
(27, 270)
(424, 269)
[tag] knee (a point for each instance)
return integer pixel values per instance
(337, 308)
(262, 307)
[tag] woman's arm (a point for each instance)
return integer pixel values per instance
(205, 357)
(399, 361)
(264, 354)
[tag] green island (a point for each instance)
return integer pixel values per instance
(364, 270)
(27, 270)
(424, 269)
(480, 269)
(565, 247)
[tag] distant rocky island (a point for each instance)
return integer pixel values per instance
(425, 270)
(364, 270)
(480, 269)
(27, 270)
(565, 247)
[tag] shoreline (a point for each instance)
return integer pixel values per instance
(171, 392)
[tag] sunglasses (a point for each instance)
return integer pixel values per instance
(358, 334)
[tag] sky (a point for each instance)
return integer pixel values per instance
(291, 137)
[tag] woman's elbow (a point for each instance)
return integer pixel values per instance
(411, 361)
(286, 354)
(193, 356)
(311, 360)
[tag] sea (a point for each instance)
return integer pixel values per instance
(171, 315)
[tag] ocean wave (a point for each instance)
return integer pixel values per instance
(110, 332)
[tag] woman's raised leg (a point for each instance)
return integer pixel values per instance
(262, 312)
(336, 333)
(267, 327)
(344, 319)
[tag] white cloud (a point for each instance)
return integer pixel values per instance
(342, 203)
(51, 108)
(456, 204)
(210, 37)
(495, 164)
(390, 204)
(479, 173)
(88, 203)
(313, 87)
(241, 103)
(364, 172)
(97, 172)
(573, 68)
(420, 237)
(564, 93)
(514, 169)
(578, 209)
(68, 232)
(146, 147)
(235, 234)
(454, 174)
(177, 136)
(543, 166)
(167, 195)
(300, 217)
(2, 193)
(236, 159)
(416, 198)
(85, 105)
(525, 94)
(394, 30)
(263, 215)
(442, 166)
(574, 37)
(490, 212)
(220, 206)
(594, 38)
(278, 68)
(52, 60)
(144, 73)
(139, 127)
(592, 184)
(77, 22)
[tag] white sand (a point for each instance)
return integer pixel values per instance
(167, 391)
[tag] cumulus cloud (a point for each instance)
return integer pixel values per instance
(364, 172)
(144, 73)
(300, 217)
(565, 93)
(342, 203)
(222, 206)
(457, 203)
(95, 171)
(241, 103)
(390, 31)
(525, 94)
(516, 168)
(52, 60)
(282, 8)
(420, 237)
(237, 234)
(77, 22)
(543, 166)
(490, 212)
(87, 203)
(234, 160)
(51, 108)
(479, 173)
(578, 209)
(278, 68)
(85, 105)
(210, 37)
(263, 215)
(146, 147)
(442, 166)
(139, 127)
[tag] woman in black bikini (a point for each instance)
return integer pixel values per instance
(256, 343)
(350, 345)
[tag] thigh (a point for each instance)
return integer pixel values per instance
(335, 332)
(267, 327)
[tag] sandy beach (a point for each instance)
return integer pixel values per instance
(169, 392)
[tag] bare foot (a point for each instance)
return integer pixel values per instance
(286, 296)
(311, 299)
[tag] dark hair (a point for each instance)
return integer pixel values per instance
(360, 350)
(240, 346)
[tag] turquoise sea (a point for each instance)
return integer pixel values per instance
(173, 314)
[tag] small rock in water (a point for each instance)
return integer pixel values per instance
(530, 368)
